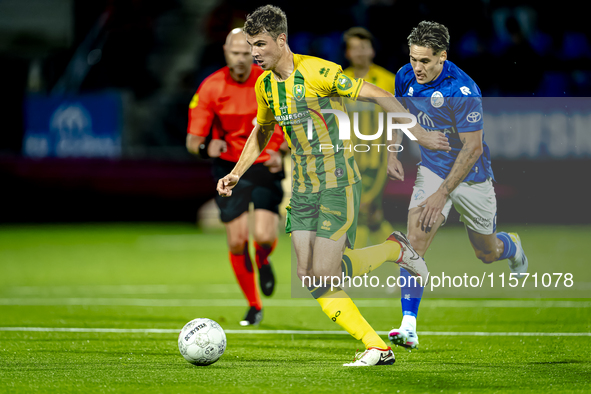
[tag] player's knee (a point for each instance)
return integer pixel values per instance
(236, 248)
(485, 257)
(237, 245)
(264, 237)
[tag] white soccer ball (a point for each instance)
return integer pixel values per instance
(202, 341)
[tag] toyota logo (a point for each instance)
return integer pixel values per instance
(473, 117)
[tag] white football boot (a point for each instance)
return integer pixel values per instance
(406, 336)
(518, 263)
(410, 259)
(372, 356)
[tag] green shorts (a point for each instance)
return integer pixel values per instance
(331, 212)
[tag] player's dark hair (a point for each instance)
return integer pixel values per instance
(430, 35)
(268, 19)
(358, 32)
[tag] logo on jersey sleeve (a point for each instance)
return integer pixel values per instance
(465, 90)
(437, 99)
(194, 101)
(410, 91)
(299, 91)
(474, 117)
(324, 71)
(344, 82)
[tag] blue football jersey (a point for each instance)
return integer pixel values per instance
(452, 104)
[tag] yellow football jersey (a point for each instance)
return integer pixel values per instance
(321, 160)
(377, 75)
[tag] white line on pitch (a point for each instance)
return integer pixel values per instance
(100, 290)
(289, 302)
(294, 332)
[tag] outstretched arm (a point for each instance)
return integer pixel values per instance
(386, 100)
(258, 139)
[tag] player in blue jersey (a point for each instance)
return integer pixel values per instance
(444, 98)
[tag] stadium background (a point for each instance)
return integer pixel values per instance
(101, 262)
(95, 96)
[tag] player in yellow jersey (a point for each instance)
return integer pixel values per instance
(371, 226)
(294, 91)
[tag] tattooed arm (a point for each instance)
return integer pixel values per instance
(470, 152)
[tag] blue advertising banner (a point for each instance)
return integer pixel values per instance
(532, 128)
(73, 126)
(538, 127)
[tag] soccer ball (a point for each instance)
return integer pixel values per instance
(202, 341)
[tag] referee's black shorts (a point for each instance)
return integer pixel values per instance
(257, 185)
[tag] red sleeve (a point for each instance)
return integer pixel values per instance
(276, 139)
(201, 110)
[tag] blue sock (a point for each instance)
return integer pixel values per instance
(509, 247)
(410, 294)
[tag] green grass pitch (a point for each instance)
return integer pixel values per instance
(93, 277)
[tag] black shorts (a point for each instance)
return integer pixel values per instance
(257, 185)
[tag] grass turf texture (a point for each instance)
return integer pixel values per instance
(161, 276)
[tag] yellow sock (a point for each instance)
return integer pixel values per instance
(340, 309)
(362, 261)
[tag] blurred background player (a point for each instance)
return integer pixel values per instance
(371, 226)
(225, 104)
(326, 187)
(447, 100)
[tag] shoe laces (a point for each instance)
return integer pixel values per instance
(359, 355)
